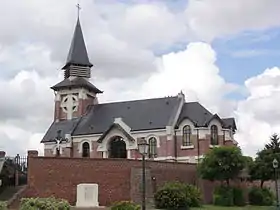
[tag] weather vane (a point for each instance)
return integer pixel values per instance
(79, 8)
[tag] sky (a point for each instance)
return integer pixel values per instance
(224, 54)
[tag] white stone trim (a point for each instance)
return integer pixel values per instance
(213, 146)
(81, 145)
(149, 131)
(115, 132)
(156, 137)
(91, 137)
(187, 147)
(121, 123)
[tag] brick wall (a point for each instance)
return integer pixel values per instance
(117, 179)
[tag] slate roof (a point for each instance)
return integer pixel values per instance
(78, 52)
(66, 127)
(200, 116)
(76, 82)
(148, 114)
(138, 115)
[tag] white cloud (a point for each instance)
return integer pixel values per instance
(259, 115)
(121, 40)
(193, 71)
(216, 18)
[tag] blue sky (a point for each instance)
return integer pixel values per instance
(236, 59)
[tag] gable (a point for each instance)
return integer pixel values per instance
(112, 129)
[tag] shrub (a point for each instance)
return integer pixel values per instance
(44, 204)
(238, 197)
(261, 196)
(223, 196)
(125, 205)
(192, 193)
(3, 205)
(171, 198)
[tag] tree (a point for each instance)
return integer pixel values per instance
(222, 163)
(262, 168)
(274, 143)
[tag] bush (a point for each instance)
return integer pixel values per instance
(170, 198)
(223, 196)
(192, 193)
(125, 205)
(238, 197)
(3, 205)
(185, 196)
(261, 196)
(44, 204)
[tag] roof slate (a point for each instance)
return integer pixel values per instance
(78, 52)
(138, 115)
(66, 127)
(200, 116)
(148, 114)
(76, 82)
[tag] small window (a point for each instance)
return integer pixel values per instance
(214, 135)
(152, 147)
(86, 151)
(187, 132)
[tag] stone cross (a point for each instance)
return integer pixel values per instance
(69, 105)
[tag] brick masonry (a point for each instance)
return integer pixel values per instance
(117, 179)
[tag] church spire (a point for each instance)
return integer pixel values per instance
(78, 52)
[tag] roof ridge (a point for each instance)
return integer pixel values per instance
(136, 100)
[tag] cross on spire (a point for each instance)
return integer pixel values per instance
(79, 8)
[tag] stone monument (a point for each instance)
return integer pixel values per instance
(87, 195)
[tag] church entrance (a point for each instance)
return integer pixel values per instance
(117, 148)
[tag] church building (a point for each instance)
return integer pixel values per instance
(176, 130)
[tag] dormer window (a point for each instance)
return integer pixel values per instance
(187, 136)
(214, 135)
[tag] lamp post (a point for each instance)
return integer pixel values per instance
(143, 148)
(275, 166)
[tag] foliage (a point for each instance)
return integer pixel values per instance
(229, 196)
(222, 163)
(262, 168)
(238, 197)
(125, 205)
(261, 196)
(176, 195)
(44, 204)
(3, 205)
(274, 144)
(223, 196)
(192, 193)
(170, 198)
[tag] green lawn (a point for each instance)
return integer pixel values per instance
(235, 208)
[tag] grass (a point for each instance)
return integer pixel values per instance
(235, 208)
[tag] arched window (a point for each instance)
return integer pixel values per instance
(152, 147)
(187, 132)
(86, 150)
(214, 135)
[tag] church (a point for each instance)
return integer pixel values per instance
(176, 130)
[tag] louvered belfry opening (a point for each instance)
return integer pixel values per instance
(77, 71)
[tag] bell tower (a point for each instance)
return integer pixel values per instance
(75, 93)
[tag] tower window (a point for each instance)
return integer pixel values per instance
(187, 136)
(152, 147)
(214, 135)
(86, 150)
